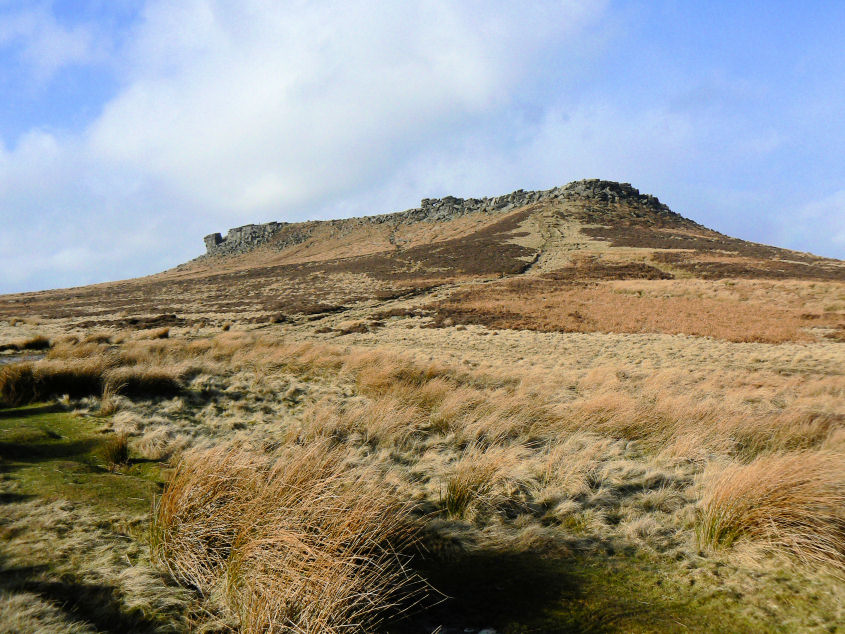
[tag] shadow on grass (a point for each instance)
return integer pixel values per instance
(518, 593)
(493, 590)
(46, 448)
(14, 498)
(29, 412)
(95, 604)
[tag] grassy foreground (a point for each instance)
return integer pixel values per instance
(73, 530)
(599, 500)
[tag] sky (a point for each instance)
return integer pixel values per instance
(131, 129)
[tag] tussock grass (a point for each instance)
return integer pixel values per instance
(38, 342)
(387, 421)
(29, 382)
(115, 451)
(196, 518)
(299, 543)
(142, 380)
(155, 333)
(599, 452)
(17, 384)
(80, 376)
(689, 425)
(97, 337)
(791, 502)
(109, 403)
(475, 478)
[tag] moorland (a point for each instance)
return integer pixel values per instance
(575, 411)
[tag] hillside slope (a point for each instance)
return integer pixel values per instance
(597, 415)
(500, 260)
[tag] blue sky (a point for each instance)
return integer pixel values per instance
(130, 129)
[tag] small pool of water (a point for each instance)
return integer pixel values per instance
(14, 358)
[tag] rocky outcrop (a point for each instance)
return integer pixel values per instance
(284, 234)
(613, 192)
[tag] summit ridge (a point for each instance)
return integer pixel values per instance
(248, 237)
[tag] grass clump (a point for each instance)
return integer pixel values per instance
(299, 543)
(475, 477)
(39, 342)
(115, 451)
(109, 403)
(460, 493)
(23, 383)
(156, 333)
(790, 502)
(144, 380)
(17, 384)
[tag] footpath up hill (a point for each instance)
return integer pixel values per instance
(585, 232)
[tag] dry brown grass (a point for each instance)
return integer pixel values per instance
(546, 305)
(687, 425)
(109, 403)
(591, 450)
(154, 333)
(404, 400)
(23, 383)
(145, 380)
(78, 377)
(115, 451)
(791, 502)
(17, 384)
(299, 543)
(38, 342)
(477, 478)
(196, 519)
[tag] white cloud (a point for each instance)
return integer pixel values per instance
(45, 45)
(235, 112)
(257, 106)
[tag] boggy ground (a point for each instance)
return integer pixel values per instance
(562, 481)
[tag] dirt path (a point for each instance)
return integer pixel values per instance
(561, 239)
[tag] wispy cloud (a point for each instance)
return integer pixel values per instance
(263, 107)
(44, 45)
(221, 113)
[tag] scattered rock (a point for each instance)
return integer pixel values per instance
(284, 234)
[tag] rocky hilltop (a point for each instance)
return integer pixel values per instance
(285, 234)
(542, 242)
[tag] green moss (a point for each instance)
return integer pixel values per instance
(517, 593)
(47, 452)
(53, 454)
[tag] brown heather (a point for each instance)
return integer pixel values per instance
(548, 305)
(589, 413)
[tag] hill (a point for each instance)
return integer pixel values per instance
(557, 411)
(492, 262)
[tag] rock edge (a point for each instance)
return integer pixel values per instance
(286, 234)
